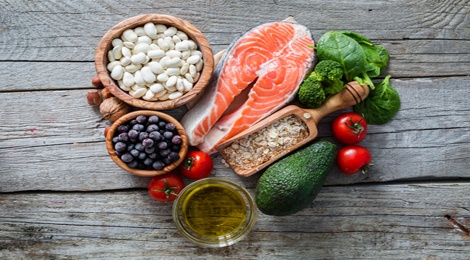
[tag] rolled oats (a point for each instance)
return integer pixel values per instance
(259, 147)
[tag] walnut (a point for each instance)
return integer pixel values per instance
(112, 108)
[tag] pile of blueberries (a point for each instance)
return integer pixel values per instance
(147, 143)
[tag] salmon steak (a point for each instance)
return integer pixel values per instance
(260, 72)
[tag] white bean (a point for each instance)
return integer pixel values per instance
(126, 52)
(150, 29)
(131, 92)
(139, 93)
(173, 62)
(173, 54)
(144, 39)
(117, 52)
(171, 81)
(139, 31)
(199, 65)
(192, 45)
(141, 47)
(171, 88)
(170, 31)
(147, 59)
(162, 77)
(179, 85)
(111, 56)
(184, 68)
(129, 45)
(185, 54)
(148, 95)
(193, 59)
(182, 46)
(160, 28)
(163, 97)
(137, 86)
(148, 75)
(156, 87)
(117, 72)
(196, 52)
(154, 46)
(173, 71)
(138, 78)
(113, 64)
(176, 39)
(170, 42)
(161, 93)
(163, 45)
(125, 61)
(187, 85)
(116, 42)
(189, 77)
(128, 79)
(175, 95)
(197, 76)
(156, 54)
(138, 58)
(133, 68)
(156, 67)
(182, 35)
(122, 86)
(163, 62)
(192, 70)
(130, 35)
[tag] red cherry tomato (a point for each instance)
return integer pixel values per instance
(353, 158)
(349, 128)
(196, 165)
(165, 187)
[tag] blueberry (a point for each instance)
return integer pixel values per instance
(161, 125)
(115, 139)
(155, 136)
(139, 147)
(153, 155)
(158, 165)
(134, 152)
(162, 145)
(123, 128)
(176, 139)
(165, 152)
(133, 164)
(143, 135)
(150, 150)
(133, 140)
(166, 161)
(142, 156)
(127, 157)
(174, 156)
(147, 142)
(152, 128)
(132, 122)
(153, 119)
(120, 146)
(176, 148)
(138, 127)
(133, 134)
(168, 135)
(141, 119)
(148, 161)
(170, 127)
(161, 131)
(130, 146)
(123, 137)
(118, 153)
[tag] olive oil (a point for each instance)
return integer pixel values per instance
(214, 210)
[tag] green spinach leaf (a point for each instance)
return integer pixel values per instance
(343, 49)
(381, 105)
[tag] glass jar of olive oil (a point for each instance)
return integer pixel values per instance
(214, 212)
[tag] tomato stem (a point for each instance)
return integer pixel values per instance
(365, 168)
(355, 128)
(188, 162)
(168, 190)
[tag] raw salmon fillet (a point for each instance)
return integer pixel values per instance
(273, 58)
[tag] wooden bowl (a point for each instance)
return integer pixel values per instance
(146, 173)
(101, 60)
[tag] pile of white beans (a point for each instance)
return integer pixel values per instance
(155, 62)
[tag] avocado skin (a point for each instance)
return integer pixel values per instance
(292, 183)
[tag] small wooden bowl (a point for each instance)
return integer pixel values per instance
(101, 60)
(146, 173)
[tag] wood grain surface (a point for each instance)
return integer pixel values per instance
(62, 197)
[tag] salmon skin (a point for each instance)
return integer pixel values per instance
(273, 58)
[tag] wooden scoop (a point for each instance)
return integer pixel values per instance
(352, 94)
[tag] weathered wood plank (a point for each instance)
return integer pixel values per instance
(353, 222)
(61, 145)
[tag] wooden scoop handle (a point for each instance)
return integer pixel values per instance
(352, 94)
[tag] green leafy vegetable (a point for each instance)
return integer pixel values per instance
(381, 105)
(311, 92)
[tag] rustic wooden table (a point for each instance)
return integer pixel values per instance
(62, 197)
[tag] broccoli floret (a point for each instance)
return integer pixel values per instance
(311, 92)
(329, 73)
